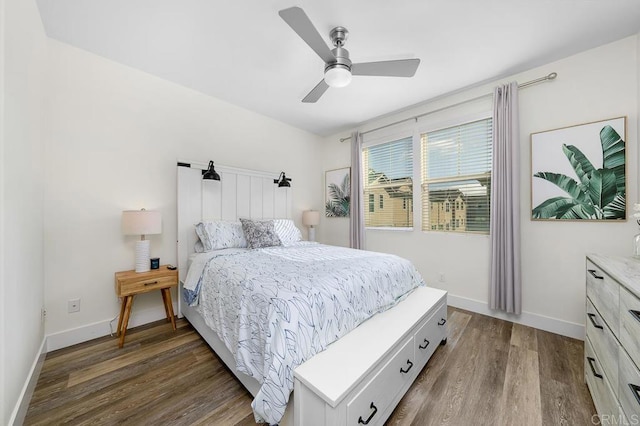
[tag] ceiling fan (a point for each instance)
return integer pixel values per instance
(338, 68)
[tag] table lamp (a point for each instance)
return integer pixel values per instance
(141, 222)
(311, 218)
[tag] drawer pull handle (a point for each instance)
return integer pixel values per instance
(635, 314)
(425, 346)
(410, 364)
(151, 283)
(366, 422)
(442, 321)
(596, 276)
(593, 321)
(635, 389)
(593, 369)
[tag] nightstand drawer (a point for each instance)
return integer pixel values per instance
(135, 287)
(130, 283)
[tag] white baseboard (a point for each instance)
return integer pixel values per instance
(541, 322)
(92, 331)
(22, 405)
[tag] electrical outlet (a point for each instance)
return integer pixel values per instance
(43, 314)
(73, 305)
(441, 277)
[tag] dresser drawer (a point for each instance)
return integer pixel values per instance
(604, 344)
(605, 295)
(629, 386)
(603, 395)
(630, 324)
(430, 334)
(380, 392)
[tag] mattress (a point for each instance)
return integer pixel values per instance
(276, 307)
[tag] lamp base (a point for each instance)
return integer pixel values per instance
(312, 233)
(142, 256)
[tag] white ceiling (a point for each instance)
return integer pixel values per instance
(244, 53)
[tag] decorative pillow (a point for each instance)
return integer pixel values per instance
(260, 233)
(220, 234)
(287, 231)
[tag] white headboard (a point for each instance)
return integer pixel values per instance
(238, 193)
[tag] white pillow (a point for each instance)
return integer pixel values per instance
(219, 234)
(287, 231)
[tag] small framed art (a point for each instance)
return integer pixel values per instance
(337, 192)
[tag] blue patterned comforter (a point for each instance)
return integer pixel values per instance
(274, 308)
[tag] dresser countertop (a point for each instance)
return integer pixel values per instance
(625, 270)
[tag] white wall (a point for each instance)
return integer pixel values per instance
(21, 270)
(114, 135)
(597, 84)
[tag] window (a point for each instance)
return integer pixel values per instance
(456, 165)
(372, 203)
(388, 172)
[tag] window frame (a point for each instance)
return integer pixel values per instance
(393, 134)
(420, 130)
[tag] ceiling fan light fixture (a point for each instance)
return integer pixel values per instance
(337, 75)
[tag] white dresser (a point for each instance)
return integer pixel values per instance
(612, 344)
(364, 375)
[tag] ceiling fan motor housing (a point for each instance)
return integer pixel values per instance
(337, 73)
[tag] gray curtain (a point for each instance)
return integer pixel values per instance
(356, 213)
(505, 281)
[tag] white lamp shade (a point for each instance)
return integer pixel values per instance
(310, 218)
(141, 222)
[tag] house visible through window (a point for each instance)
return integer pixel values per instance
(456, 177)
(388, 173)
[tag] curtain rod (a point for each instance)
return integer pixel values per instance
(548, 77)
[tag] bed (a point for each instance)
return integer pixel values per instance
(333, 323)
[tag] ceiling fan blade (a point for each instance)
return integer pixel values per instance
(399, 68)
(316, 92)
(302, 25)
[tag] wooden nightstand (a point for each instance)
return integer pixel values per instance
(130, 283)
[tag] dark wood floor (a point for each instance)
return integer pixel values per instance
(491, 372)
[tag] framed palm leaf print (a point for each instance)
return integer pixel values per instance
(337, 192)
(579, 172)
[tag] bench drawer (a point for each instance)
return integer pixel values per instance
(429, 336)
(380, 392)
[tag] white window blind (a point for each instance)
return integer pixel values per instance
(388, 184)
(456, 177)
